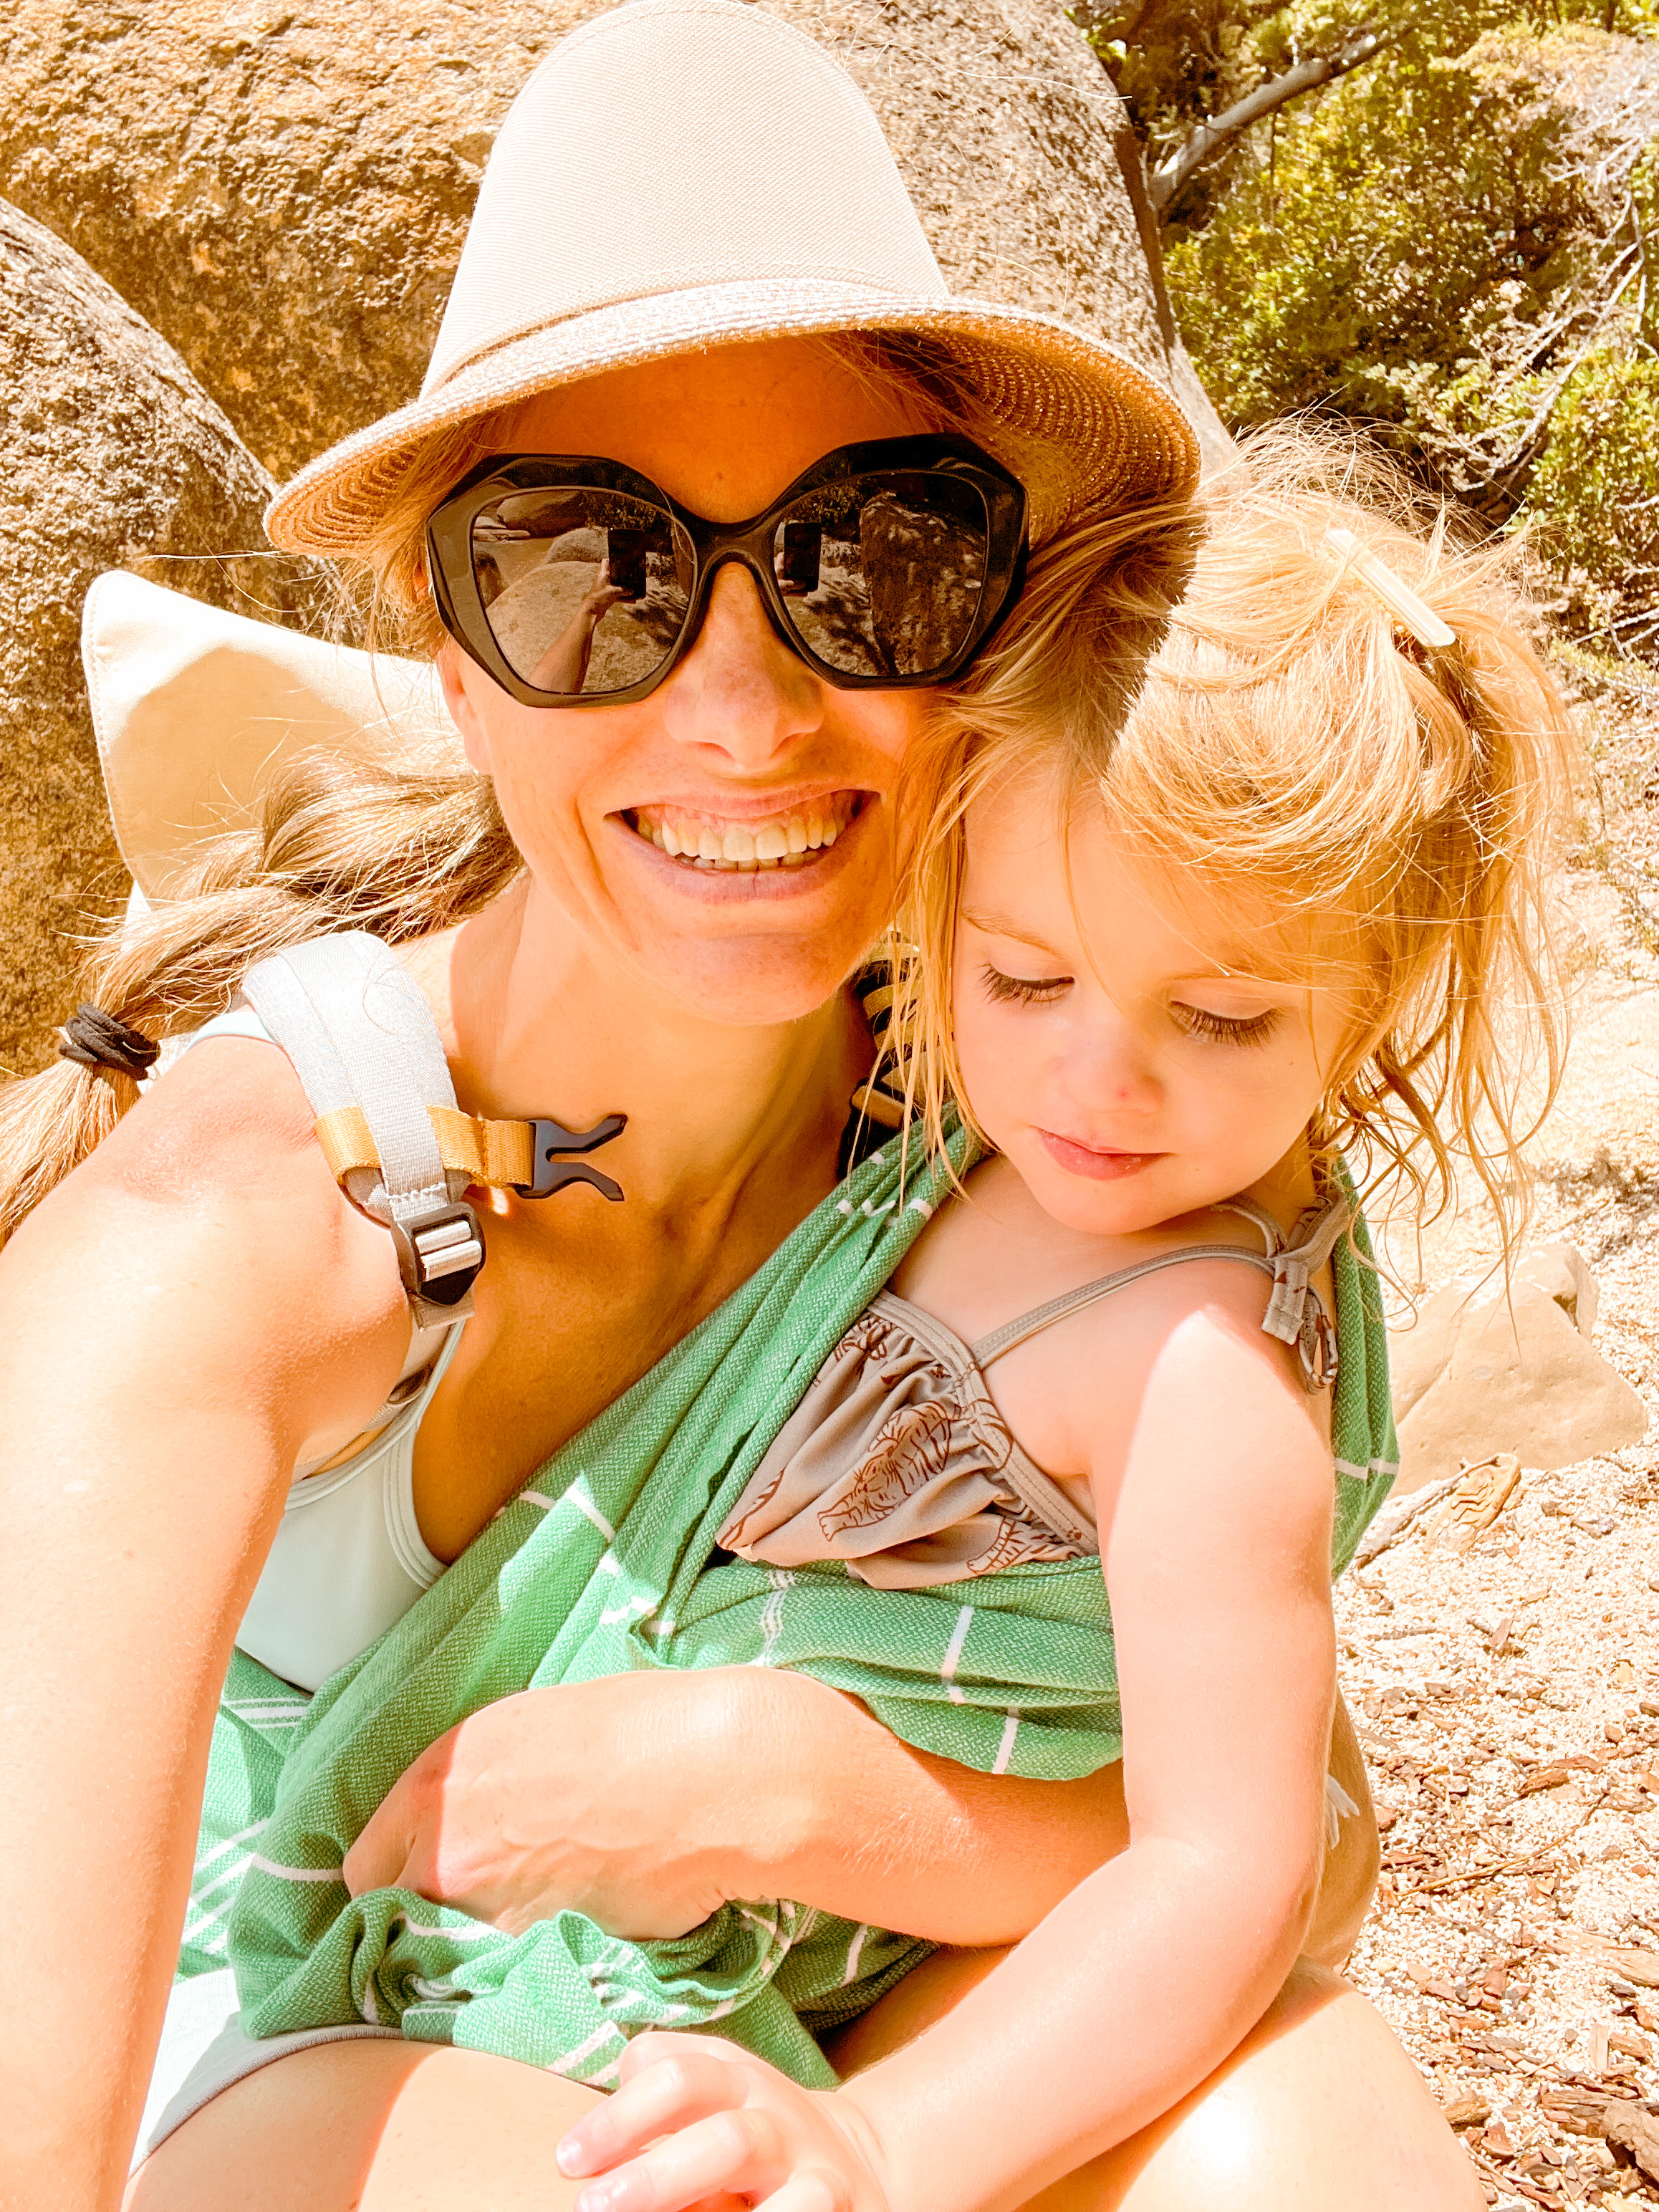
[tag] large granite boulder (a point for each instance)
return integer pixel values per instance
(114, 457)
(282, 190)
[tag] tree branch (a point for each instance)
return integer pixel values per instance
(1213, 137)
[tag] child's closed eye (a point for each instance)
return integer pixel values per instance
(1021, 990)
(1227, 1028)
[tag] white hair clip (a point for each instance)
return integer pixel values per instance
(1403, 603)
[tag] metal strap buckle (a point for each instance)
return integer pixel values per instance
(439, 1253)
(551, 1172)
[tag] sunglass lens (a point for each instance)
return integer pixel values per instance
(585, 590)
(881, 576)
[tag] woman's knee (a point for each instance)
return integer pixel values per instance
(1319, 2110)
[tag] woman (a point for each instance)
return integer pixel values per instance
(705, 316)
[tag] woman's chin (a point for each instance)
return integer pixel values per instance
(758, 982)
(752, 947)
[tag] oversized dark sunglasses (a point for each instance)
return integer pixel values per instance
(577, 582)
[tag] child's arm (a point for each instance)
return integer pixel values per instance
(1214, 1484)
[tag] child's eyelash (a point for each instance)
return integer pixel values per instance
(1033, 991)
(1220, 1029)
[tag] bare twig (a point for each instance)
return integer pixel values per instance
(1210, 139)
(1521, 452)
(1397, 1516)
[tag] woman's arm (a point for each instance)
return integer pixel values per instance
(563, 666)
(1139, 1983)
(647, 1801)
(175, 1320)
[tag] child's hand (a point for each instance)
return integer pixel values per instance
(730, 2127)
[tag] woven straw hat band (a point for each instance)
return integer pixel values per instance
(679, 175)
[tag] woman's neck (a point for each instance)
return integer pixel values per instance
(538, 1022)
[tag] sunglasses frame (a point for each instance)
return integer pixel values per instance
(460, 605)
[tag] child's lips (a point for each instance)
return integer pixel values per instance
(1101, 1165)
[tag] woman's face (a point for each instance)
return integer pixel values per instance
(742, 738)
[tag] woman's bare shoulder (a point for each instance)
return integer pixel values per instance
(218, 1165)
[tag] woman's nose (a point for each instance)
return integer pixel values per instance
(740, 689)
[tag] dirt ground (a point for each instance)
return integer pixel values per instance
(1508, 1698)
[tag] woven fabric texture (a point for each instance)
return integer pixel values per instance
(602, 1567)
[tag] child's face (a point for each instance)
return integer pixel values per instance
(1115, 1044)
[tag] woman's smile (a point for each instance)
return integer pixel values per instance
(790, 831)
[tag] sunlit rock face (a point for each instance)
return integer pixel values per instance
(115, 457)
(282, 192)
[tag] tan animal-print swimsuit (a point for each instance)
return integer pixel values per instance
(897, 1463)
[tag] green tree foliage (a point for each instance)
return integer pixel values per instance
(1457, 247)
(1594, 500)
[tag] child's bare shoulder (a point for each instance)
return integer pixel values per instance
(994, 1254)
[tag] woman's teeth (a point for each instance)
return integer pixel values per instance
(707, 842)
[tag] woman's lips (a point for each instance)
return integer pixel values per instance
(1100, 1166)
(762, 879)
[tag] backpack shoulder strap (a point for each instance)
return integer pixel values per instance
(363, 1042)
(364, 1045)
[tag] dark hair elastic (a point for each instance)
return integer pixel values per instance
(94, 1039)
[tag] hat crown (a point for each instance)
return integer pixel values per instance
(671, 146)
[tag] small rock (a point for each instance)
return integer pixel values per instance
(1635, 2132)
(1542, 1777)
(1516, 1374)
(1466, 2112)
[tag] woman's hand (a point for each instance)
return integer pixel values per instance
(696, 2119)
(606, 1797)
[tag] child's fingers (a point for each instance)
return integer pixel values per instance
(735, 2151)
(668, 2082)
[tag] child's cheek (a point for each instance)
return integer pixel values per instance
(997, 1058)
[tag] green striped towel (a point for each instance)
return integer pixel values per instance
(602, 1566)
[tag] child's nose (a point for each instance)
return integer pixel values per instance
(1109, 1067)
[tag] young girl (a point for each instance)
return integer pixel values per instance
(1173, 978)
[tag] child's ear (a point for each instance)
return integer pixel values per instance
(458, 676)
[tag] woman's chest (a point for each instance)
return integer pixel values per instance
(565, 1323)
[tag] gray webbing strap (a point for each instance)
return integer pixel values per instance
(359, 1033)
(1295, 1314)
(1033, 1324)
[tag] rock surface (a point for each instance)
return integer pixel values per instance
(114, 458)
(282, 190)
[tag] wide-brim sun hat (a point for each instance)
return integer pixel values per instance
(682, 174)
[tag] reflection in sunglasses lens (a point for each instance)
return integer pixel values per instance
(881, 576)
(585, 590)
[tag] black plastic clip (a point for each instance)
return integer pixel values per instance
(548, 1139)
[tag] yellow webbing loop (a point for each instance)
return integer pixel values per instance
(499, 1154)
(880, 1105)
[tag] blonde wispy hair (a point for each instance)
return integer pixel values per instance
(1394, 808)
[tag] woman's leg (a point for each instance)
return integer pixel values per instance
(1319, 2110)
(371, 2127)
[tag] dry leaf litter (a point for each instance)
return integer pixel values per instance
(1504, 1678)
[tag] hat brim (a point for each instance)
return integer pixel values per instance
(1078, 421)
